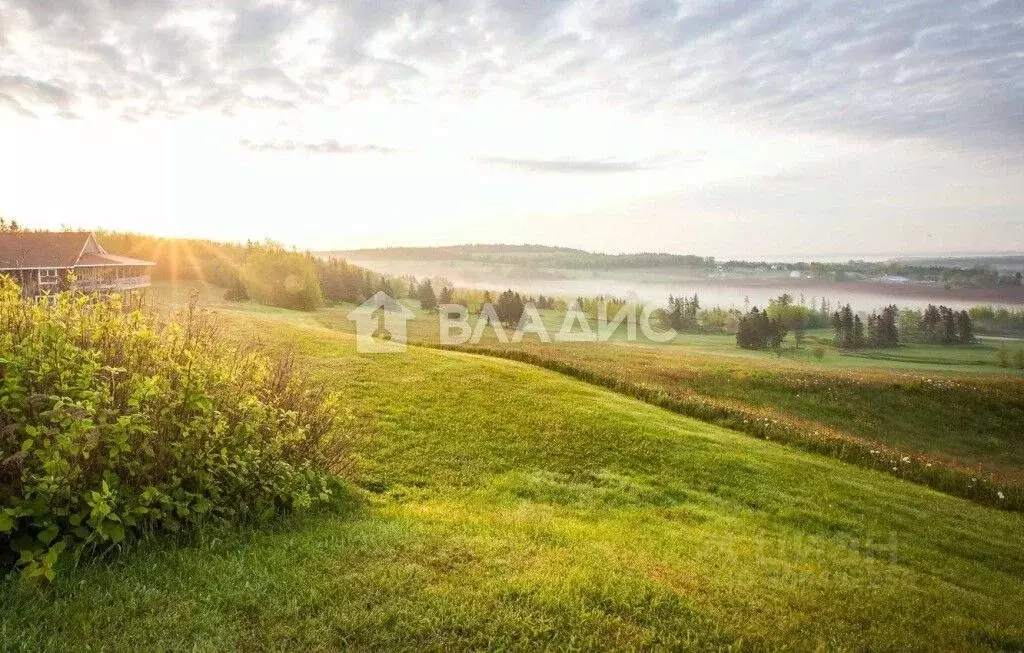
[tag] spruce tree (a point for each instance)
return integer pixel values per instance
(965, 332)
(858, 332)
(428, 300)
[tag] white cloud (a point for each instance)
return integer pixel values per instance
(510, 110)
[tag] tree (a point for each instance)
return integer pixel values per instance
(510, 308)
(844, 323)
(747, 334)
(9, 227)
(1003, 356)
(882, 331)
(428, 300)
(236, 292)
(964, 330)
(790, 317)
(757, 331)
(948, 334)
(889, 334)
(445, 296)
(931, 322)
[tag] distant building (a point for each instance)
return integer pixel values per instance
(43, 262)
(894, 279)
(795, 274)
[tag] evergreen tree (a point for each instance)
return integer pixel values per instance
(931, 323)
(965, 332)
(888, 333)
(510, 308)
(428, 300)
(445, 296)
(948, 332)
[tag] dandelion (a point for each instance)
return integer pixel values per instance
(905, 459)
(1000, 495)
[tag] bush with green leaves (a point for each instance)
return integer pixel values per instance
(116, 426)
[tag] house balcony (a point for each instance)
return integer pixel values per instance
(122, 284)
(87, 286)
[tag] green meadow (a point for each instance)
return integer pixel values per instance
(498, 504)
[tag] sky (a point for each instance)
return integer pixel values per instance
(727, 128)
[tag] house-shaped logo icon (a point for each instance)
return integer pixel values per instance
(380, 324)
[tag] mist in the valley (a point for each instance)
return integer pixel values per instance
(655, 287)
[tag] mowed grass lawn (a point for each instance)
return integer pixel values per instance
(948, 405)
(498, 505)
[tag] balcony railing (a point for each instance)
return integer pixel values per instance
(123, 284)
(111, 285)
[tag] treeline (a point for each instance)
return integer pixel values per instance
(765, 329)
(533, 255)
(938, 325)
(962, 273)
(997, 321)
(759, 331)
(850, 332)
(264, 272)
(768, 328)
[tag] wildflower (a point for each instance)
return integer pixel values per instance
(894, 469)
(905, 459)
(1001, 495)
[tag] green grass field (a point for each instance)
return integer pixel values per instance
(952, 411)
(500, 505)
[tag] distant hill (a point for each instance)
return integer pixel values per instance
(531, 255)
(1000, 261)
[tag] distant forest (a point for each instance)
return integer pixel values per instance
(531, 255)
(976, 272)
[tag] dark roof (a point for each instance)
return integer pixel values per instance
(52, 249)
(90, 258)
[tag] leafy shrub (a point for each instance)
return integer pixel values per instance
(236, 292)
(114, 426)
(819, 353)
(1003, 356)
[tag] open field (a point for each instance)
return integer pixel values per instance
(943, 415)
(501, 505)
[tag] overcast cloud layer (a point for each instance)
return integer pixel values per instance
(715, 127)
(952, 70)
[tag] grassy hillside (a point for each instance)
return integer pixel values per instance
(943, 415)
(507, 506)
